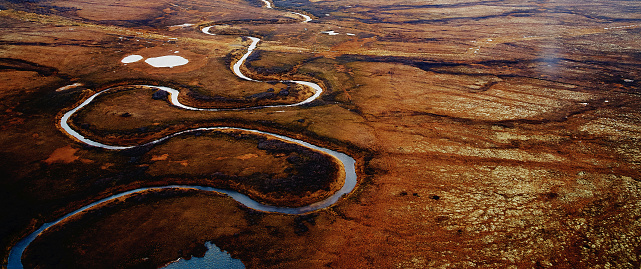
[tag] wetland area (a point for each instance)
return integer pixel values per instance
(320, 134)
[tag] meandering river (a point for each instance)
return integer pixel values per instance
(347, 162)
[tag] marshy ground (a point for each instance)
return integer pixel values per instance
(487, 133)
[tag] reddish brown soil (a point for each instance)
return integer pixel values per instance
(487, 134)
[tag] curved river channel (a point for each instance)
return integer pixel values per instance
(348, 163)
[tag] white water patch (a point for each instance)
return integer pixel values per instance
(214, 258)
(167, 61)
(267, 4)
(622, 27)
(240, 62)
(131, 59)
(330, 32)
(64, 88)
(305, 17)
(183, 25)
(205, 30)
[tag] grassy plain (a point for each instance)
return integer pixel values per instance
(487, 133)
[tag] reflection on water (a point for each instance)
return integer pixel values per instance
(167, 61)
(131, 59)
(214, 258)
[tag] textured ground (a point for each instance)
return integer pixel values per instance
(490, 134)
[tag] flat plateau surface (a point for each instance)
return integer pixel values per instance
(486, 134)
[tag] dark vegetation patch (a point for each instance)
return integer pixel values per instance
(383, 15)
(48, 103)
(43, 8)
(307, 171)
(300, 227)
(420, 63)
(310, 171)
(318, 11)
(160, 95)
(252, 217)
(208, 98)
(47, 192)
(277, 63)
(269, 97)
(58, 247)
(22, 65)
(612, 72)
(275, 69)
